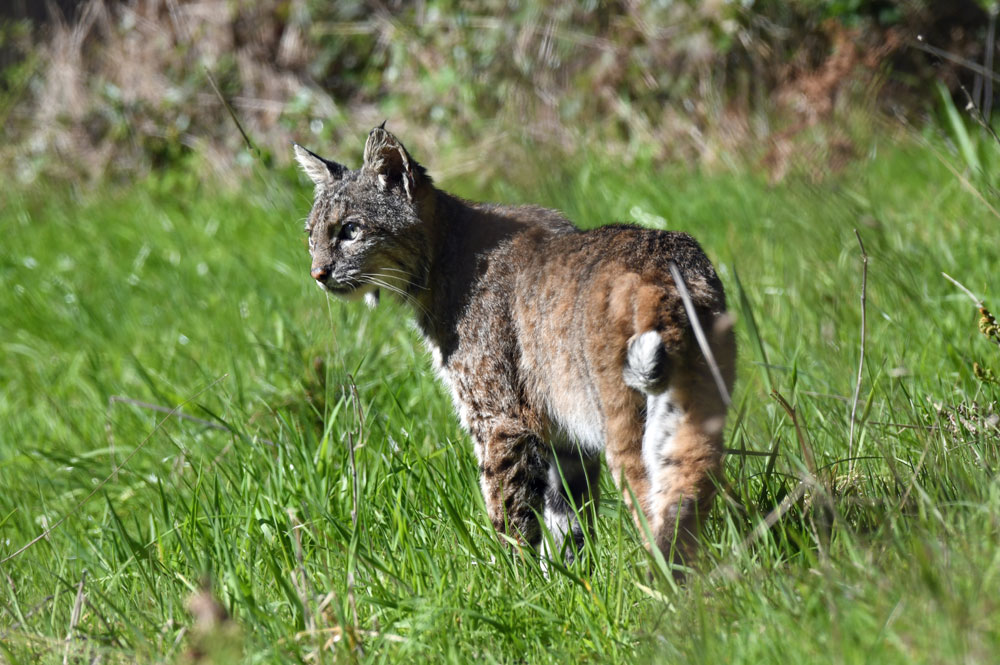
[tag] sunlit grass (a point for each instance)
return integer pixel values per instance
(164, 293)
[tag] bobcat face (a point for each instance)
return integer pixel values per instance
(364, 229)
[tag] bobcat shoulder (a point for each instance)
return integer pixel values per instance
(557, 345)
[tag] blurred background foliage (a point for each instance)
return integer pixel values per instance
(95, 87)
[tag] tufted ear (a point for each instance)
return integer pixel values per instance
(320, 171)
(387, 159)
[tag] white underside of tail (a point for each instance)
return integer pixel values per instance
(642, 361)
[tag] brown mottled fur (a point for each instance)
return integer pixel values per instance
(556, 343)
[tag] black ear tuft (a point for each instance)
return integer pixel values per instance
(320, 171)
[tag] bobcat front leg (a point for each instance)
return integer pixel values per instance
(514, 474)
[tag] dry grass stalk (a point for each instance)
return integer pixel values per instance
(74, 618)
(699, 334)
(861, 360)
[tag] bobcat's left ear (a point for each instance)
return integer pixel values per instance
(320, 171)
(387, 159)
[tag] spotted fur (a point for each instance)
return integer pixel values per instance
(556, 344)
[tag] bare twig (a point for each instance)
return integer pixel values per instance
(700, 334)
(180, 24)
(100, 485)
(232, 113)
(919, 43)
(979, 303)
(979, 115)
(861, 361)
(74, 618)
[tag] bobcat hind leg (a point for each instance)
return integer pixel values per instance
(683, 457)
(679, 444)
(570, 501)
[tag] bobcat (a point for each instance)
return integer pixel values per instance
(556, 344)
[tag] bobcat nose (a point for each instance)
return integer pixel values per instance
(320, 274)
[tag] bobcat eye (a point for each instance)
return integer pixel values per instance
(349, 231)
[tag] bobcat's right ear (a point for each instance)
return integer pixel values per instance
(387, 159)
(320, 171)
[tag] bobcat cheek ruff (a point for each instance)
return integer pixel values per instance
(556, 344)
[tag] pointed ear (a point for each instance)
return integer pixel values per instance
(387, 159)
(320, 171)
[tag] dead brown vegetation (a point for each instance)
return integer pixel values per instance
(122, 87)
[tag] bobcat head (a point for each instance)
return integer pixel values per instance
(365, 227)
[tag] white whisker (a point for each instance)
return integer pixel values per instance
(380, 280)
(408, 275)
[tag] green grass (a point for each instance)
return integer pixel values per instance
(171, 294)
